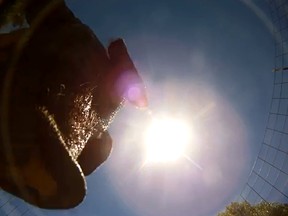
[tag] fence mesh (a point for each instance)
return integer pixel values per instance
(268, 180)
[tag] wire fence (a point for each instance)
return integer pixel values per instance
(268, 180)
(12, 206)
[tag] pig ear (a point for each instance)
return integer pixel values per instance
(96, 151)
(128, 80)
(116, 48)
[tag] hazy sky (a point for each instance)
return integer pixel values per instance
(207, 61)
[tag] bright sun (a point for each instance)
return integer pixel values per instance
(166, 140)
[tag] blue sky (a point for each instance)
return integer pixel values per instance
(194, 56)
(207, 61)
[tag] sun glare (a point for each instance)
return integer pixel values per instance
(166, 140)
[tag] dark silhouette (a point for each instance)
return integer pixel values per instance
(261, 209)
(60, 90)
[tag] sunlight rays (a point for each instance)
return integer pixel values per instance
(166, 140)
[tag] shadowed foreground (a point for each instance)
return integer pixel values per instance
(261, 209)
(60, 90)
